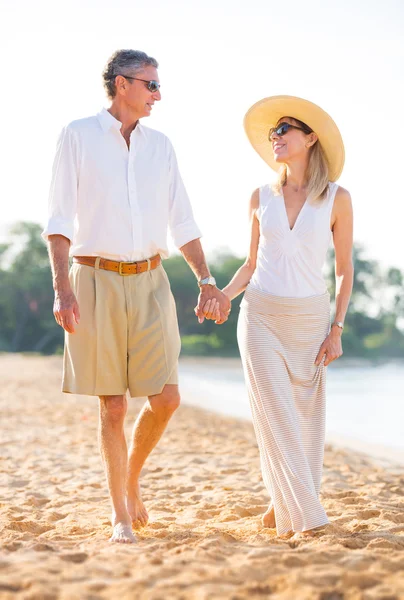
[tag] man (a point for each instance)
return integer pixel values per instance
(115, 191)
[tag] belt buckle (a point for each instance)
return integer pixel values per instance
(120, 270)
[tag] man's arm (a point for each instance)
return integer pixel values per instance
(195, 257)
(59, 229)
(65, 307)
(186, 234)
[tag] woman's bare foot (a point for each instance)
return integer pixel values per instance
(286, 536)
(136, 508)
(268, 518)
(310, 533)
(122, 534)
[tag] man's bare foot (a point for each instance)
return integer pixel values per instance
(136, 508)
(268, 518)
(122, 534)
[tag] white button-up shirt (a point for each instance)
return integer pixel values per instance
(113, 201)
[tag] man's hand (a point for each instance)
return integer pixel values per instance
(66, 310)
(212, 304)
(331, 348)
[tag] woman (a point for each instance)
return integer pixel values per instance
(284, 331)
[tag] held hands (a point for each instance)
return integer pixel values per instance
(212, 304)
(331, 348)
(66, 310)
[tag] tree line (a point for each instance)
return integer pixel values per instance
(373, 327)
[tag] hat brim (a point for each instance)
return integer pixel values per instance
(266, 113)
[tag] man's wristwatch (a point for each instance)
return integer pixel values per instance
(338, 324)
(207, 281)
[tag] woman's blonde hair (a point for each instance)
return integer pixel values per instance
(317, 172)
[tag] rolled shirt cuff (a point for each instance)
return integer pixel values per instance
(58, 227)
(185, 232)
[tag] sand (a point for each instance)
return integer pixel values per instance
(204, 493)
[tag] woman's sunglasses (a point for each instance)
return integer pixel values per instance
(152, 86)
(283, 128)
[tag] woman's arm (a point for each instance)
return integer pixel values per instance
(242, 277)
(343, 243)
(342, 229)
(244, 274)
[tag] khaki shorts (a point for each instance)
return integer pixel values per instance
(127, 337)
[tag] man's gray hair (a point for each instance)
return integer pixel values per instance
(124, 62)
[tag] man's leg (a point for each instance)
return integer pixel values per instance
(115, 456)
(147, 431)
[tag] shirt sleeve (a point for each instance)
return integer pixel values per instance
(182, 225)
(63, 189)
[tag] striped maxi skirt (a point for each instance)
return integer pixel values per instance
(279, 339)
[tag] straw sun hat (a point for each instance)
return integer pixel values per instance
(266, 113)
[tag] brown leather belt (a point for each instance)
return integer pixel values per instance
(123, 268)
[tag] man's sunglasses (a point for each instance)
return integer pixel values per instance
(283, 128)
(152, 86)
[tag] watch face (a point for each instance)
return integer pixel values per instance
(208, 281)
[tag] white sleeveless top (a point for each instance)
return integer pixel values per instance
(290, 261)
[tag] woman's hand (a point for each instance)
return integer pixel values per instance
(331, 348)
(211, 310)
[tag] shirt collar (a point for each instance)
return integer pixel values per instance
(108, 122)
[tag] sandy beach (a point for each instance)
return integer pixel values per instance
(203, 489)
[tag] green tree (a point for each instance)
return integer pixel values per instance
(372, 329)
(26, 296)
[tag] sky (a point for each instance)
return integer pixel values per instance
(217, 58)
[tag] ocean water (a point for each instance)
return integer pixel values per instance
(364, 404)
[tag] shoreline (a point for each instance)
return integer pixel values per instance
(386, 455)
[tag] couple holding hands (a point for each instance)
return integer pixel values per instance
(116, 190)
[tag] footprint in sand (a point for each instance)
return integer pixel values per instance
(360, 580)
(342, 494)
(394, 517)
(367, 514)
(37, 501)
(353, 543)
(203, 514)
(242, 511)
(360, 527)
(55, 516)
(396, 544)
(260, 590)
(43, 548)
(12, 546)
(197, 461)
(97, 586)
(331, 596)
(19, 483)
(232, 470)
(74, 557)
(10, 587)
(20, 518)
(184, 489)
(29, 527)
(349, 500)
(156, 525)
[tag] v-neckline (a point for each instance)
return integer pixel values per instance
(291, 229)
